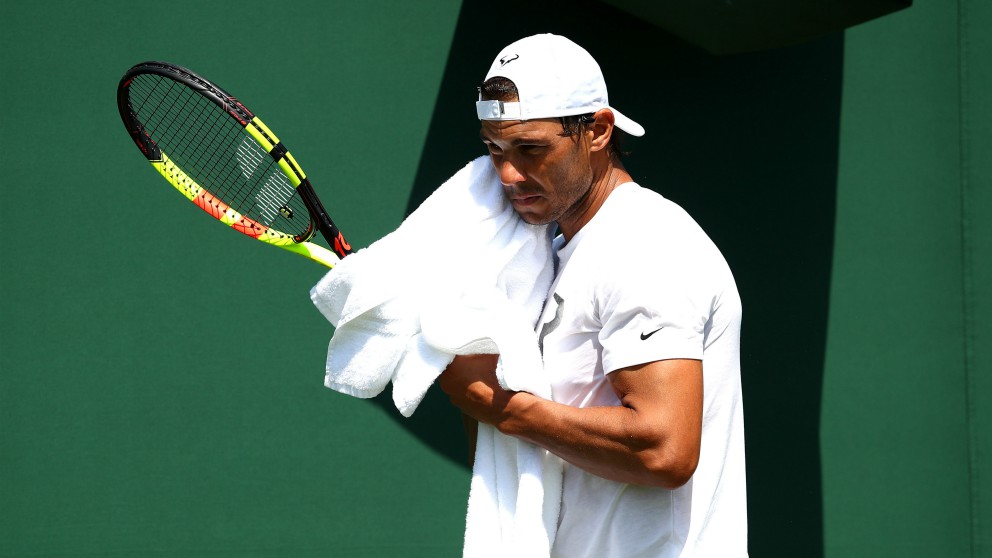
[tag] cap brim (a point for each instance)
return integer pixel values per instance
(626, 124)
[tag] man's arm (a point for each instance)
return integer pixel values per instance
(652, 438)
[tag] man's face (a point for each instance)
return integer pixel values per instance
(545, 176)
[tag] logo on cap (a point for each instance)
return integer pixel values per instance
(507, 59)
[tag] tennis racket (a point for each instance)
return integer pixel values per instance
(221, 157)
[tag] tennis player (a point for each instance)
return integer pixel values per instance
(640, 333)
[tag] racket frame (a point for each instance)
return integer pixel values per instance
(261, 133)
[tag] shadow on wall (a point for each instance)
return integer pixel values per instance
(748, 145)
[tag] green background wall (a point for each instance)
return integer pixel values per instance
(153, 404)
(907, 396)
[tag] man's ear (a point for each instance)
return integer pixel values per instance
(602, 129)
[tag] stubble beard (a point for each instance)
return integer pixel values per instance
(570, 201)
(572, 188)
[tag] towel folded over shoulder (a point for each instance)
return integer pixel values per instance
(463, 274)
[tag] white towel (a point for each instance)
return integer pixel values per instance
(515, 493)
(463, 274)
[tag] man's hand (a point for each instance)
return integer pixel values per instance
(471, 384)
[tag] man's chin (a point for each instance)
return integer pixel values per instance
(531, 218)
(531, 213)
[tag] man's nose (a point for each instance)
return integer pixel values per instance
(509, 173)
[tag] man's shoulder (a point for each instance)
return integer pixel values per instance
(644, 232)
(635, 214)
(632, 204)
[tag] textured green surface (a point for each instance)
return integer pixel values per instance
(906, 390)
(976, 136)
(162, 377)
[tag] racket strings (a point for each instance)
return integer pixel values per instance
(216, 152)
(213, 129)
(275, 193)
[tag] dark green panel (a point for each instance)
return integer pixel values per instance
(161, 375)
(728, 27)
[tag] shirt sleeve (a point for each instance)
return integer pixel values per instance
(648, 315)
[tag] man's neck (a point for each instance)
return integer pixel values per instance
(613, 175)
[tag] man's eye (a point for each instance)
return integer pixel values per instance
(531, 148)
(493, 148)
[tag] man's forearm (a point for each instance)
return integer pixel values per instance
(611, 442)
(651, 438)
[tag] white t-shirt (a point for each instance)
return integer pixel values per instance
(642, 282)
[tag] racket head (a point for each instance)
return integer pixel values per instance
(216, 152)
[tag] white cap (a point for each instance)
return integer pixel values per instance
(554, 77)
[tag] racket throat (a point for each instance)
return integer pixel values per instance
(327, 228)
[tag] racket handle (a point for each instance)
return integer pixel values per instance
(330, 231)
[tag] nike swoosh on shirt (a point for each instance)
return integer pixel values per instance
(646, 335)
